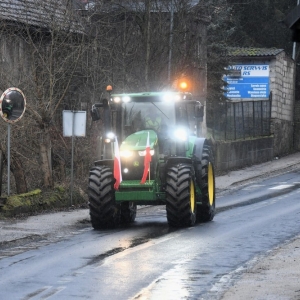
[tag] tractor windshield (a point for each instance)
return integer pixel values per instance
(147, 115)
(152, 111)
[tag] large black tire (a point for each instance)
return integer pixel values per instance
(128, 212)
(104, 211)
(207, 209)
(180, 196)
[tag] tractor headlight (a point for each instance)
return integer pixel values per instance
(126, 99)
(110, 137)
(168, 97)
(143, 153)
(171, 97)
(181, 134)
(117, 99)
(126, 153)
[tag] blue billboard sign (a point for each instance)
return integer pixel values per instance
(253, 82)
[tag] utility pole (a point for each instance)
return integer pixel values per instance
(294, 44)
(170, 41)
(147, 38)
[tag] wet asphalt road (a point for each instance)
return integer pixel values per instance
(150, 261)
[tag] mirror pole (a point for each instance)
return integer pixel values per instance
(72, 156)
(8, 159)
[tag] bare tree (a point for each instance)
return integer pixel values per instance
(43, 50)
(62, 54)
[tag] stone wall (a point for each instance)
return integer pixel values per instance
(282, 73)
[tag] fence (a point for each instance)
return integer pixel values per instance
(241, 120)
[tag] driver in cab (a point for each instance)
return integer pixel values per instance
(156, 120)
(153, 119)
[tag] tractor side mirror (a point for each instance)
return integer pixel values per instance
(199, 111)
(95, 113)
(105, 103)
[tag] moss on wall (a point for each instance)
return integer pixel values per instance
(38, 201)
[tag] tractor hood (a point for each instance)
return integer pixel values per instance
(138, 140)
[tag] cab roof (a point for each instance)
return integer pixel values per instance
(154, 96)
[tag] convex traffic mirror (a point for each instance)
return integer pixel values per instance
(12, 105)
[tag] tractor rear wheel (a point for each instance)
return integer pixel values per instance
(180, 196)
(206, 210)
(104, 211)
(128, 212)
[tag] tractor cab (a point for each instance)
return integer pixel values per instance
(173, 116)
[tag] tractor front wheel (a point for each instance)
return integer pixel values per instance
(180, 196)
(104, 211)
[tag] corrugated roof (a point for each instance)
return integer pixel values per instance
(43, 14)
(157, 6)
(252, 52)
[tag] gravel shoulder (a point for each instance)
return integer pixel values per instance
(275, 276)
(48, 227)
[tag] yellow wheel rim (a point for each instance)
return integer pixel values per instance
(192, 196)
(211, 184)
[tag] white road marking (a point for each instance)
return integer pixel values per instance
(251, 187)
(281, 187)
(278, 187)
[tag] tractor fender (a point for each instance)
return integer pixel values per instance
(197, 155)
(198, 148)
(105, 162)
(178, 160)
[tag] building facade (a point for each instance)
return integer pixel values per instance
(256, 76)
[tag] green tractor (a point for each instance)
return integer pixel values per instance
(152, 154)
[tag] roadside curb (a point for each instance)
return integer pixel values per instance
(243, 176)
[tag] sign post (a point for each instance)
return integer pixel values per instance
(74, 124)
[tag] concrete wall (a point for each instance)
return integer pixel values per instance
(283, 133)
(238, 154)
(296, 132)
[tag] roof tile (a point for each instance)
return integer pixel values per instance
(44, 14)
(253, 52)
